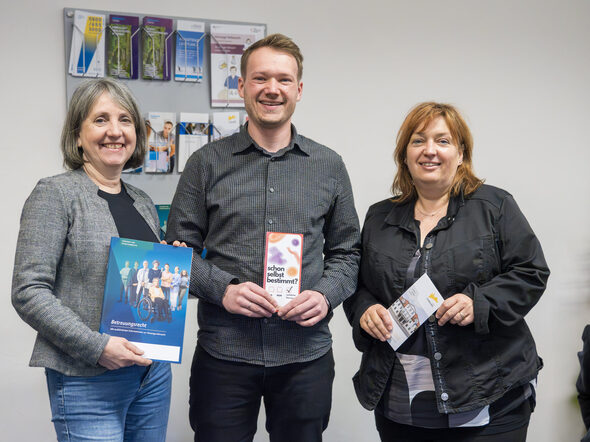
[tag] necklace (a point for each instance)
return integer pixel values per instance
(429, 214)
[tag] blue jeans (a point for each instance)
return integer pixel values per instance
(128, 404)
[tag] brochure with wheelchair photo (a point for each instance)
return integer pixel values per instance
(145, 296)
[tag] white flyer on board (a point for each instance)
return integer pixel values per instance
(193, 133)
(412, 309)
(225, 124)
(87, 54)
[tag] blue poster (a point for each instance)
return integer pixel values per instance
(145, 296)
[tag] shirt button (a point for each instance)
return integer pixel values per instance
(265, 321)
(273, 159)
(428, 246)
(437, 356)
(431, 319)
(444, 397)
(272, 189)
(270, 221)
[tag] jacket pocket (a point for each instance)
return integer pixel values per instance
(475, 260)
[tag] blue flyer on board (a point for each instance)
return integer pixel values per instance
(163, 212)
(190, 44)
(145, 296)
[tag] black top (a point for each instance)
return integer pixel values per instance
(130, 224)
(583, 382)
(411, 402)
(483, 248)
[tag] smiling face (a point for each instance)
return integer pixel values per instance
(270, 88)
(167, 129)
(432, 156)
(107, 136)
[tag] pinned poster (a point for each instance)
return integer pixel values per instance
(282, 265)
(228, 43)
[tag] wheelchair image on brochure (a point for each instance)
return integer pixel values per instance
(150, 310)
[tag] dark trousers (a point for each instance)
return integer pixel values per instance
(391, 431)
(225, 399)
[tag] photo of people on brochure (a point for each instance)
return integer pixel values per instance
(145, 295)
(161, 131)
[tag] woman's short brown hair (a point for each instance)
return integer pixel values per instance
(417, 119)
(83, 99)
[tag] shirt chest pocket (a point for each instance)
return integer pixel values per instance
(306, 206)
(475, 260)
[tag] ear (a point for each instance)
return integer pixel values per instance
(241, 87)
(299, 90)
(79, 143)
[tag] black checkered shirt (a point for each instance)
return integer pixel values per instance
(230, 194)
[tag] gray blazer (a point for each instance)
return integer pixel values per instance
(60, 268)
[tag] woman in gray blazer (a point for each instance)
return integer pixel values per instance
(99, 386)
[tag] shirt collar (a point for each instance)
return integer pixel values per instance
(244, 142)
(403, 214)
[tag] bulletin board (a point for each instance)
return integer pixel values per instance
(157, 95)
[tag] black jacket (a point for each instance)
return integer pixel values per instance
(583, 382)
(484, 248)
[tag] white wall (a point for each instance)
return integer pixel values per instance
(518, 69)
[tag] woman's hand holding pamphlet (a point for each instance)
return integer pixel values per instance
(412, 309)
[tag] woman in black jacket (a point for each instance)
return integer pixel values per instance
(468, 373)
